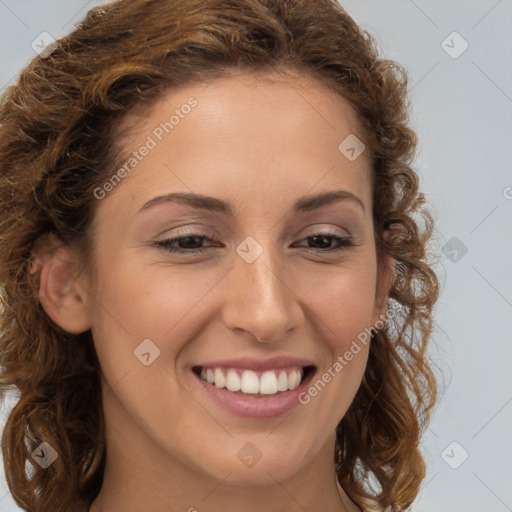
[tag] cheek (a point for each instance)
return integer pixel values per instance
(143, 318)
(154, 301)
(342, 310)
(342, 300)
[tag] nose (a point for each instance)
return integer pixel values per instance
(260, 301)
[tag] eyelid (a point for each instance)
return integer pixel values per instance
(344, 242)
(323, 225)
(205, 231)
(189, 230)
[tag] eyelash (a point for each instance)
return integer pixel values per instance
(344, 243)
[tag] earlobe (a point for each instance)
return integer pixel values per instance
(61, 296)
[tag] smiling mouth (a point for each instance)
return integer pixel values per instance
(249, 382)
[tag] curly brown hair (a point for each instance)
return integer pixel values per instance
(57, 127)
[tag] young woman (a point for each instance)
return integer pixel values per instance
(215, 287)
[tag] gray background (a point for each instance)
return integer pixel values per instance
(462, 111)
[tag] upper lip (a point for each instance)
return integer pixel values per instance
(258, 364)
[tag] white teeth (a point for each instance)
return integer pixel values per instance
(220, 381)
(269, 382)
(293, 379)
(250, 382)
(233, 381)
(282, 381)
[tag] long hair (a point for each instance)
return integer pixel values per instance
(57, 144)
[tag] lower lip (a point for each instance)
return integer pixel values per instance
(255, 406)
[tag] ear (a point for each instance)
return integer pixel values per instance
(385, 278)
(63, 299)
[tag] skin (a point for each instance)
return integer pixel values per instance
(260, 143)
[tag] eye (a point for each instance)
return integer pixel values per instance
(193, 243)
(190, 243)
(325, 239)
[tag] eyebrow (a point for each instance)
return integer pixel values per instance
(213, 204)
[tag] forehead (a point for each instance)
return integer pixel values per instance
(251, 136)
(250, 92)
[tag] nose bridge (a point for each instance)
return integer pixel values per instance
(260, 300)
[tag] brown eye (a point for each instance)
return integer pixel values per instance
(323, 242)
(187, 244)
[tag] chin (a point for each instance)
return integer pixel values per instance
(250, 466)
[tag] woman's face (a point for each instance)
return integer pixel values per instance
(261, 284)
